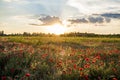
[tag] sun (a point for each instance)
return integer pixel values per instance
(56, 29)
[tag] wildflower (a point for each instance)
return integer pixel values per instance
(99, 78)
(93, 61)
(44, 55)
(86, 77)
(60, 61)
(87, 66)
(69, 61)
(71, 54)
(12, 70)
(73, 61)
(101, 64)
(114, 79)
(98, 57)
(75, 66)
(70, 69)
(87, 59)
(80, 69)
(59, 64)
(81, 73)
(27, 74)
(51, 60)
(114, 69)
(64, 72)
(3, 78)
(21, 51)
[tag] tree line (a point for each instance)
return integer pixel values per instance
(71, 34)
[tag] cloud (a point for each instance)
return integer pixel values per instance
(49, 20)
(83, 20)
(45, 20)
(91, 19)
(25, 19)
(96, 19)
(95, 6)
(107, 20)
(111, 15)
(3, 24)
(20, 1)
(10, 0)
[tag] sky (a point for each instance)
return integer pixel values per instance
(60, 16)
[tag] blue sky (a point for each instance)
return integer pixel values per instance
(95, 16)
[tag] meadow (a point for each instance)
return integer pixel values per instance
(59, 58)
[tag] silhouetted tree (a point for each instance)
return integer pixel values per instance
(1, 33)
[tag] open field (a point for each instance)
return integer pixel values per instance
(59, 58)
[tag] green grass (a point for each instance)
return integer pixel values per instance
(61, 40)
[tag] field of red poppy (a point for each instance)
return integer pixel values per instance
(59, 58)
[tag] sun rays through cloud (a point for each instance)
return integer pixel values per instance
(94, 16)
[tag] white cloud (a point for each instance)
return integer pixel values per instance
(20, 1)
(10, 0)
(3, 24)
(95, 6)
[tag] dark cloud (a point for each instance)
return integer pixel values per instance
(49, 20)
(91, 19)
(107, 20)
(96, 19)
(35, 24)
(111, 15)
(83, 20)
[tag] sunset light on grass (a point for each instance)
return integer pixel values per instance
(59, 39)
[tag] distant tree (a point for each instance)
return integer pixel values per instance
(26, 34)
(1, 33)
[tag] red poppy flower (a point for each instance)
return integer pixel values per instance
(86, 77)
(87, 59)
(75, 66)
(80, 69)
(3, 78)
(114, 79)
(27, 74)
(12, 70)
(87, 66)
